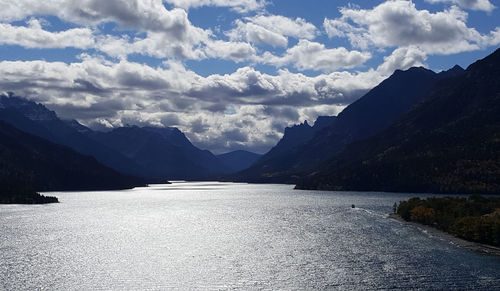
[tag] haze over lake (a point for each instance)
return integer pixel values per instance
(222, 236)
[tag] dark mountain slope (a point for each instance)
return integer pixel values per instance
(370, 114)
(18, 120)
(164, 153)
(275, 165)
(294, 136)
(30, 162)
(36, 119)
(448, 144)
(203, 158)
(238, 160)
(148, 152)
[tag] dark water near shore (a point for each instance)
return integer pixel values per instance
(227, 236)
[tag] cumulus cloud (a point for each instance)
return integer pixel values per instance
(33, 36)
(402, 59)
(236, 51)
(298, 28)
(168, 33)
(256, 34)
(272, 30)
(143, 15)
(155, 45)
(101, 93)
(106, 89)
(165, 33)
(483, 5)
(237, 5)
(198, 46)
(399, 23)
(494, 37)
(307, 55)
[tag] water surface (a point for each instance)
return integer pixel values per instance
(227, 236)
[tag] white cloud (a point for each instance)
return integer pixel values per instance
(483, 5)
(163, 33)
(113, 91)
(237, 5)
(272, 30)
(157, 46)
(256, 34)
(102, 93)
(402, 59)
(298, 28)
(399, 23)
(236, 51)
(307, 55)
(143, 15)
(494, 37)
(118, 93)
(169, 33)
(34, 36)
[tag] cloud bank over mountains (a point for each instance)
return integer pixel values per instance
(132, 61)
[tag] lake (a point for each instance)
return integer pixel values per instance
(228, 236)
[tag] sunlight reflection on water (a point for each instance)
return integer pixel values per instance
(224, 236)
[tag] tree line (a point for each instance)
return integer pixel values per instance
(475, 218)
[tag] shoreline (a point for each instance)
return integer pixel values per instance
(474, 246)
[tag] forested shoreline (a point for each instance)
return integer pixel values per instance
(475, 218)
(19, 194)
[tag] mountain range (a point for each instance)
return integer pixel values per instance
(29, 162)
(39, 151)
(448, 143)
(36, 119)
(303, 148)
(161, 152)
(238, 160)
(149, 152)
(417, 131)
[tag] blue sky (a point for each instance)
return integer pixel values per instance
(230, 73)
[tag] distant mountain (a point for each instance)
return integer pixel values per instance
(162, 152)
(202, 158)
(453, 72)
(238, 160)
(36, 119)
(151, 152)
(303, 148)
(448, 144)
(293, 137)
(275, 165)
(30, 162)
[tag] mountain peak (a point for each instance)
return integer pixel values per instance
(413, 70)
(304, 124)
(32, 110)
(172, 134)
(77, 126)
(453, 72)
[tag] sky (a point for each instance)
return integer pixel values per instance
(231, 74)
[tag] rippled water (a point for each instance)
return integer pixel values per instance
(226, 236)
